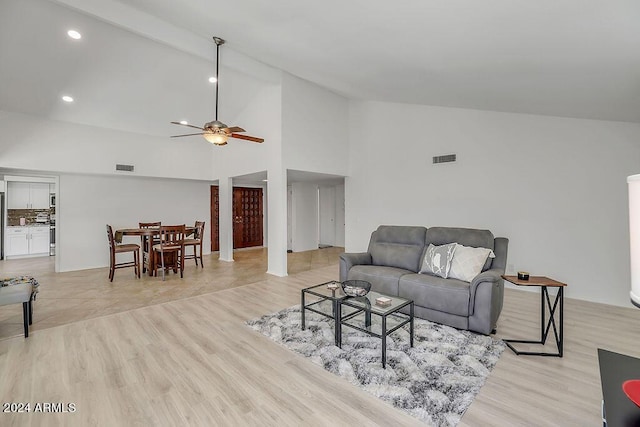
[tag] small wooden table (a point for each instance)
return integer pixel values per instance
(545, 283)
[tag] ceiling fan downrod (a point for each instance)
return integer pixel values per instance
(218, 42)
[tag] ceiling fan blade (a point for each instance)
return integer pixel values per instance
(247, 137)
(234, 129)
(191, 126)
(188, 134)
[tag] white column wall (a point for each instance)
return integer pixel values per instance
(556, 187)
(277, 209)
(225, 222)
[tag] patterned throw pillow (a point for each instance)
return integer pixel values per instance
(467, 262)
(437, 260)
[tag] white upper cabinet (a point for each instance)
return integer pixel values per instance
(27, 195)
(39, 195)
(18, 196)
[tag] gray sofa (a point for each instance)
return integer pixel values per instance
(394, 258)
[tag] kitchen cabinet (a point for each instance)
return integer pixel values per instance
(39, 240)
(27, 195)
(27, 241)
(17, 241)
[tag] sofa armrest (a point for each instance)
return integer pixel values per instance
(348, 260)
(492, 276)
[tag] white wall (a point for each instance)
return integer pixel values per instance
(304, 218)
(315, 127)
(37, 144)
(86, 203)
(556, 187)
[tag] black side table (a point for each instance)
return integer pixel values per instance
(545, 301)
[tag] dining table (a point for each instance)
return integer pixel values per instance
(146, 232)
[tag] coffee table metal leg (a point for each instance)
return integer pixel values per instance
(384, 342)
(302, 308)
(411, 324)
(338, 323)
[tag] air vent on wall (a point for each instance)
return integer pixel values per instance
(126, 168)
(444, 159)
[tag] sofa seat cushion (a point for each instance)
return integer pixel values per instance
(446, 295)
(382, 279)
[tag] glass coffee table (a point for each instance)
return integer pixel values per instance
(391, 319)
(323, 299)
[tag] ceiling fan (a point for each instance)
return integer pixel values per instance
(215, 131)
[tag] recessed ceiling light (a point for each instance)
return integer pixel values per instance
(67, 98)
(74, 34)
(184, 122)
(212, 79)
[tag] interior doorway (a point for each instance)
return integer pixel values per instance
(248, 211)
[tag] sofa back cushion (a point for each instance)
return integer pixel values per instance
(398, 246)
(464, 236)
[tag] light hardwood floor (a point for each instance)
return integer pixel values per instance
(147, 352)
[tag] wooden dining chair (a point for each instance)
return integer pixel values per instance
(196, 242)
(148, 243)
(115, 248)
(170, 250)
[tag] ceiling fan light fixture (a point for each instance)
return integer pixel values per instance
(216, 138)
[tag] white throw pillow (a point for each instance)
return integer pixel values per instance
(437, 260)
(467, 262)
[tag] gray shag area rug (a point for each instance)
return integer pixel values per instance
(434, 381)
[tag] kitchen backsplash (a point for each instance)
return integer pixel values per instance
(30, 215)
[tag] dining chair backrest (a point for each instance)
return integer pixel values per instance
(199, 230)
(112, 243)
(172, 235)
(145, 239)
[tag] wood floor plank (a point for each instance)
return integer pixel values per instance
(148, 352)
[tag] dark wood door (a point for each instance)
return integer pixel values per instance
(247, 217)
(215, 214)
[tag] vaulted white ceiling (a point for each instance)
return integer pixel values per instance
(571, 58)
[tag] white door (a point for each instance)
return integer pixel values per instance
(327, 216)
(340, 215)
